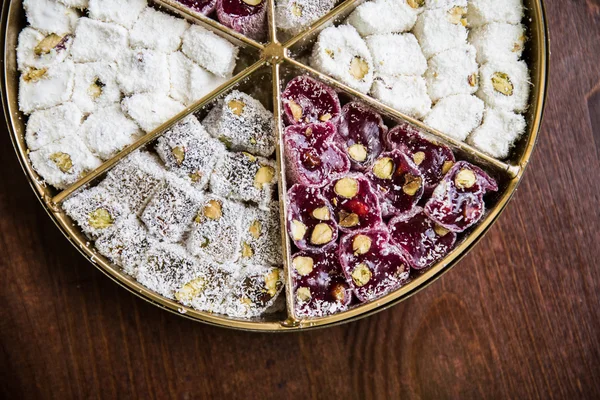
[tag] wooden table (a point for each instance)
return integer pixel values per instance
(518, 318)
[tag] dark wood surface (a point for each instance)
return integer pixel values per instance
(518, 318)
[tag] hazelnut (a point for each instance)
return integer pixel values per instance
(304, 265)
(95, 89)
(419, 157)
(361, 275)
(34, 75)
(100, 218)
(321, 234)
(298, 230)
(297, 9)
(473, 79)
(440, 230)
(416, 3)
(357, 152)
(264, 176)
(346, 187)
(321, 213)
(179, 154)
(383, 168)
(295, 109)
(465, 179)
(446, 166)
(63, 161)
(502, 83)
(338, 292)
(237, 106)
(325, 117)
(456, 15)
(213, 210)
(47, 44)
(303, 294)
(412, 184)
(247, 251)
(255, 229)
(271, 282)
(358, 68)
(348, 220)
(361, 244)
(191, 290)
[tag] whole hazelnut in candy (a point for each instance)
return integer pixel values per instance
(434, 160)
(311, 156)
(360, 130)
(422, 240)
(306, 100)
(310, 219)
(397, 181)
(373, 265)
(247, 17)
(202, 6)
(457, 202)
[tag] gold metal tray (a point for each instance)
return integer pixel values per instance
(263, 70)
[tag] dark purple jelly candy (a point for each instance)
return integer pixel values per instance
(320, 287)
(397, 181)
(373, 265)
(205, 7)
(360, 131)
(247, 17)
(434, 160)
(457, 202)
(311, 156)
(422, 240)
(306, 100)
(354, 202)
(310, 220)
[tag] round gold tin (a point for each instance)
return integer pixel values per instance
(264, 68)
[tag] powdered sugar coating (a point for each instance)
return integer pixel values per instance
(95, 86)
(157, 31)
(498, 41)
(498, 132)
(452, 71)
(445, 4)
(210, 51)
(396, 54)
(81, 4)
(456, 115)
(150, 110)
(407, 94)
(483, 12)
(383, 16)
(98, 41)
(30, 56)
(437, 30)
(45, 88)
(189, 81)
(49, 16)
(516, 73)
(261, 236)
(293, 16)
(115, 11)
(52, 124)
(142, 71)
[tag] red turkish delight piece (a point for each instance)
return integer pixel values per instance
(247, 17)
(205, 7)
(306, 100)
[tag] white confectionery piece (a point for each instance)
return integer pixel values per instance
(188, 150)
(125, 244)
(498, 133)
(45, 88)
(445, 4)
(456, 116)
(81, 4)
(150, 110)
(242, 123)
(166, 268)
(52, 124)
(244, 177)
(255, 292)
(505, 84)
(396, 54)
(189, 81)
(216, 230)
(452, 71)
(171, 210)
(95, 86)
(141, 71)
(341, 53)
(498, 42)
(98, 41)
(49, 16)
(38, 51)
(261, 236)
(95, 210)
(294, 16)
(135, 180)
(107, 131)
(123, 13)
(407, 94)
(438, 30)
(483, 12)
(383, 16)
(157, 31)
(63, 162)
(210, 51)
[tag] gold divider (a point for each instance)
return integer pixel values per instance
(272, 25)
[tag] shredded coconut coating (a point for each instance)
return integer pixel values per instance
(49, 16)
(171, 210)
(107, 131)
(135, 180)
(341, 53)
(436, 31)
(30, 56)
(236, 177)
(189, 81)
(188, 150)
(261, 236)
(453, 71)
(445, 4)
(293, 16)
(95, 86)
(498, 42)
(95, 210)
(498, 133)
(117, 11)
(407, 94)
(518, 76)
(141, 71)
(242, 123)
(98, 41)
(157, 31)
(483, 12)
(216, 229)
(81, 4)
(45, 88)
(456, 115)
(383, 16)
(396, 54)
(52, 124)
(150, 110)
(210, 51)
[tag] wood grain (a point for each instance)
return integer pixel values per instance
(518, 318)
